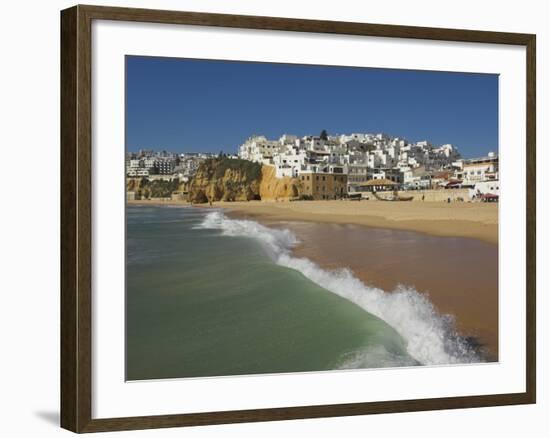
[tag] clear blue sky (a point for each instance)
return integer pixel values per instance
(194, 105)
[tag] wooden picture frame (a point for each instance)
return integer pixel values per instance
(76, 217)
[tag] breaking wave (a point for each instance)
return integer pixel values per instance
(430, 337)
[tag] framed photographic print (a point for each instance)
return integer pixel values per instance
(269, 218)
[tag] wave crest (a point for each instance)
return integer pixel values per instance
(430, 337)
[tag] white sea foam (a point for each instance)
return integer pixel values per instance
(430, 337)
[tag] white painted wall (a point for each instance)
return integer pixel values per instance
(29, 320)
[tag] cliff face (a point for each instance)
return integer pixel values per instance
(133, 184)
(222, 179)
(272, 188)
(225, 180)
(145, 188)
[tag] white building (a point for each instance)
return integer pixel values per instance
(137, 172)
(484, 188)
(361, 156)
(357, 175)
(260, 150)
(290, 162)
(480, 169)
(287, 139)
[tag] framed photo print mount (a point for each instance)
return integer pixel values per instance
(270, 218)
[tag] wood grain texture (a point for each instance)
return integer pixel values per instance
(69, 328)
(303, 412)
(531, 213)
(76, 219)
(299, 25)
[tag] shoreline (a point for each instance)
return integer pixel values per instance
(469, 220)
(387, 257)
(466, 288)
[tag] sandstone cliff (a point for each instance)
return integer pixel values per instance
(272, 188)
(225, 180)
(145, 188)
(222, 179)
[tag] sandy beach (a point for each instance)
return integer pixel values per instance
(459, 275)
(447, 251)
(457, 219)
(475, 220)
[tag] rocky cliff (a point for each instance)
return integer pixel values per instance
(273, 189)
(221, 179)
(145, 188)
(226, 179)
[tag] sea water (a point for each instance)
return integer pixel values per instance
(207, 295)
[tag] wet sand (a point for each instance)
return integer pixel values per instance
(459, 275)
(456, 219)
(448, 251)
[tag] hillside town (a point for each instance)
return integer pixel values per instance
(354, 166)
(373, 162)
(148, 163)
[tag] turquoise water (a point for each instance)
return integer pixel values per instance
(221, 298)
